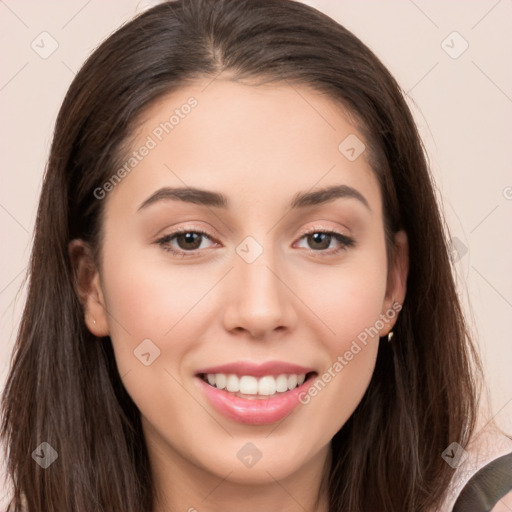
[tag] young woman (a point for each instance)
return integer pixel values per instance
(240, 288)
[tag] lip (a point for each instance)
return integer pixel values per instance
(255, 411)
(241, 368)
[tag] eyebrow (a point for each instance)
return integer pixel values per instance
(218, 200)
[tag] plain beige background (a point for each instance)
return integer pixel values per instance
(461, 98)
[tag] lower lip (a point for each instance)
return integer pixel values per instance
(258, 411)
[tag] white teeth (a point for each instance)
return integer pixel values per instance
(233, 384)
(250, 385)
(282, 383)
(267, 386)
(292, 381)
(220, 380)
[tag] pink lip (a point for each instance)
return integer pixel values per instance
(257, 411)
(257, 370)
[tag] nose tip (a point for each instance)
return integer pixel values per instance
(258, 302)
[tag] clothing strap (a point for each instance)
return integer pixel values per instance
(486, 487)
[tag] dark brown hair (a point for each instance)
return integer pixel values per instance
(422, 395)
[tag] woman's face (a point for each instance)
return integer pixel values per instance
(260, 291)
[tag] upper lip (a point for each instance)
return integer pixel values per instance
(257, 369)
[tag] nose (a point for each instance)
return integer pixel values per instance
(259, 299)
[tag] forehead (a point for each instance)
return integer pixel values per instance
(255, 142)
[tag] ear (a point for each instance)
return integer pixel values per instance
(397, 279)
(88, 287)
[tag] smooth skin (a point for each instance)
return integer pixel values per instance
(300, 301)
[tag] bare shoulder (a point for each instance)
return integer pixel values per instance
(504, 505)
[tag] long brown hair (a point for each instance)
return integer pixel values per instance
(423, 393)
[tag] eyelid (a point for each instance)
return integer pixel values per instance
(319, 228)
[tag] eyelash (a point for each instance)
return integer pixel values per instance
(345, 241)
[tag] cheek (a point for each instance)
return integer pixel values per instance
(149, 300)
(146, 292)
(337, 392)
(151, 311)
(351, 306)
(347, 299)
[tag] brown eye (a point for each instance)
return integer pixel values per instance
(189, 241)
(184, 242)
(319, 241)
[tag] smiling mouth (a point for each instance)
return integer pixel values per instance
(256, 388)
